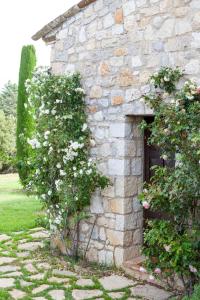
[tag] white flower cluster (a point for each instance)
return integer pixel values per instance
(71, 151)
(35, 144)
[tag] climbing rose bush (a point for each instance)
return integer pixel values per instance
(172, 244)
(63, 175)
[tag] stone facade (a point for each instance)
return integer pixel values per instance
(116, 45)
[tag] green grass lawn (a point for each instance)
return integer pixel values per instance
(17, 211)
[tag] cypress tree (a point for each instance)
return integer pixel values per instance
(25, 122)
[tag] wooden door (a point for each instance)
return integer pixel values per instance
(152, 157)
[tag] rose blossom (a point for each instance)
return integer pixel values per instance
(151, 277)
(192, 269)
(198, 90)
(146, 205)
(142, 270)
(157, 271)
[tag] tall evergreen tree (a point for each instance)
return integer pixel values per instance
(25, 122)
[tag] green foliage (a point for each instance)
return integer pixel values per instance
(195, 295)
(7, 141)
(25, 122)
(17, 211)
(172, 245)
(63, 175)
(4, 295)
(8, 99)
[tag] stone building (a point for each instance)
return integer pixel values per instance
(116, 45)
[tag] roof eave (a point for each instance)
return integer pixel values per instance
(60, 20)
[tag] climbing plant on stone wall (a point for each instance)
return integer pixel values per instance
(63, 176)
(172, 245)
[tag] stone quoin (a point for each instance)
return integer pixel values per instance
(116, 45)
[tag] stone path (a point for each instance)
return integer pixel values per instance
(28, 272)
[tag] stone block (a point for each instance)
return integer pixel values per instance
(105, 257)
(117, 100)
(129, 7)
(108, 20)
(120, 52)
(96, 206)
(136, 166)
(119, 17)
(118, 167)
(182, 26)
(121, 206)
(166, 30)
(193, 67)
(120, 130)
(104, 69)
(136, 62)
(82, 35)
(126, 222)
(96, 92)
(117, 61)
(126, 78)
(132, 94)
(117, 29)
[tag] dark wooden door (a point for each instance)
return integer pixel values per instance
(152, 157)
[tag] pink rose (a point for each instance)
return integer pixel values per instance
(142, 270)
(146, 205)
(198, 90)
(157, 271)
(192, 269)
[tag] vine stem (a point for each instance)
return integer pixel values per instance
(86, 249)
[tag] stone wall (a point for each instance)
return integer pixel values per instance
(116, 45)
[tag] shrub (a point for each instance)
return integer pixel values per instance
(195, 295)
(7, 142)
(25, 122)
(172, 245)
(63, 176)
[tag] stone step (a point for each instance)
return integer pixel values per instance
(132, 268)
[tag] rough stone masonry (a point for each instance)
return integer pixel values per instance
(116, 45)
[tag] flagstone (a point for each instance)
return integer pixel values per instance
(6, 260)
(150, 292)
(84, 282)
(4, 238)
(115, 282)
(30, 268)
(7, 282)
(39, 276)
(117, 295)
(13, 274)
(40, 235)
(24, 283)
(40, 289)
(64, 273)
(30, 246)
(36, 229)
(86, 294)
(17, 294)
(8, 268)
(57, 294)
(58, 280)
(5, 253)
(44, 265)
(23, 254)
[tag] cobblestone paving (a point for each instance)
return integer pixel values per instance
(26, 273)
